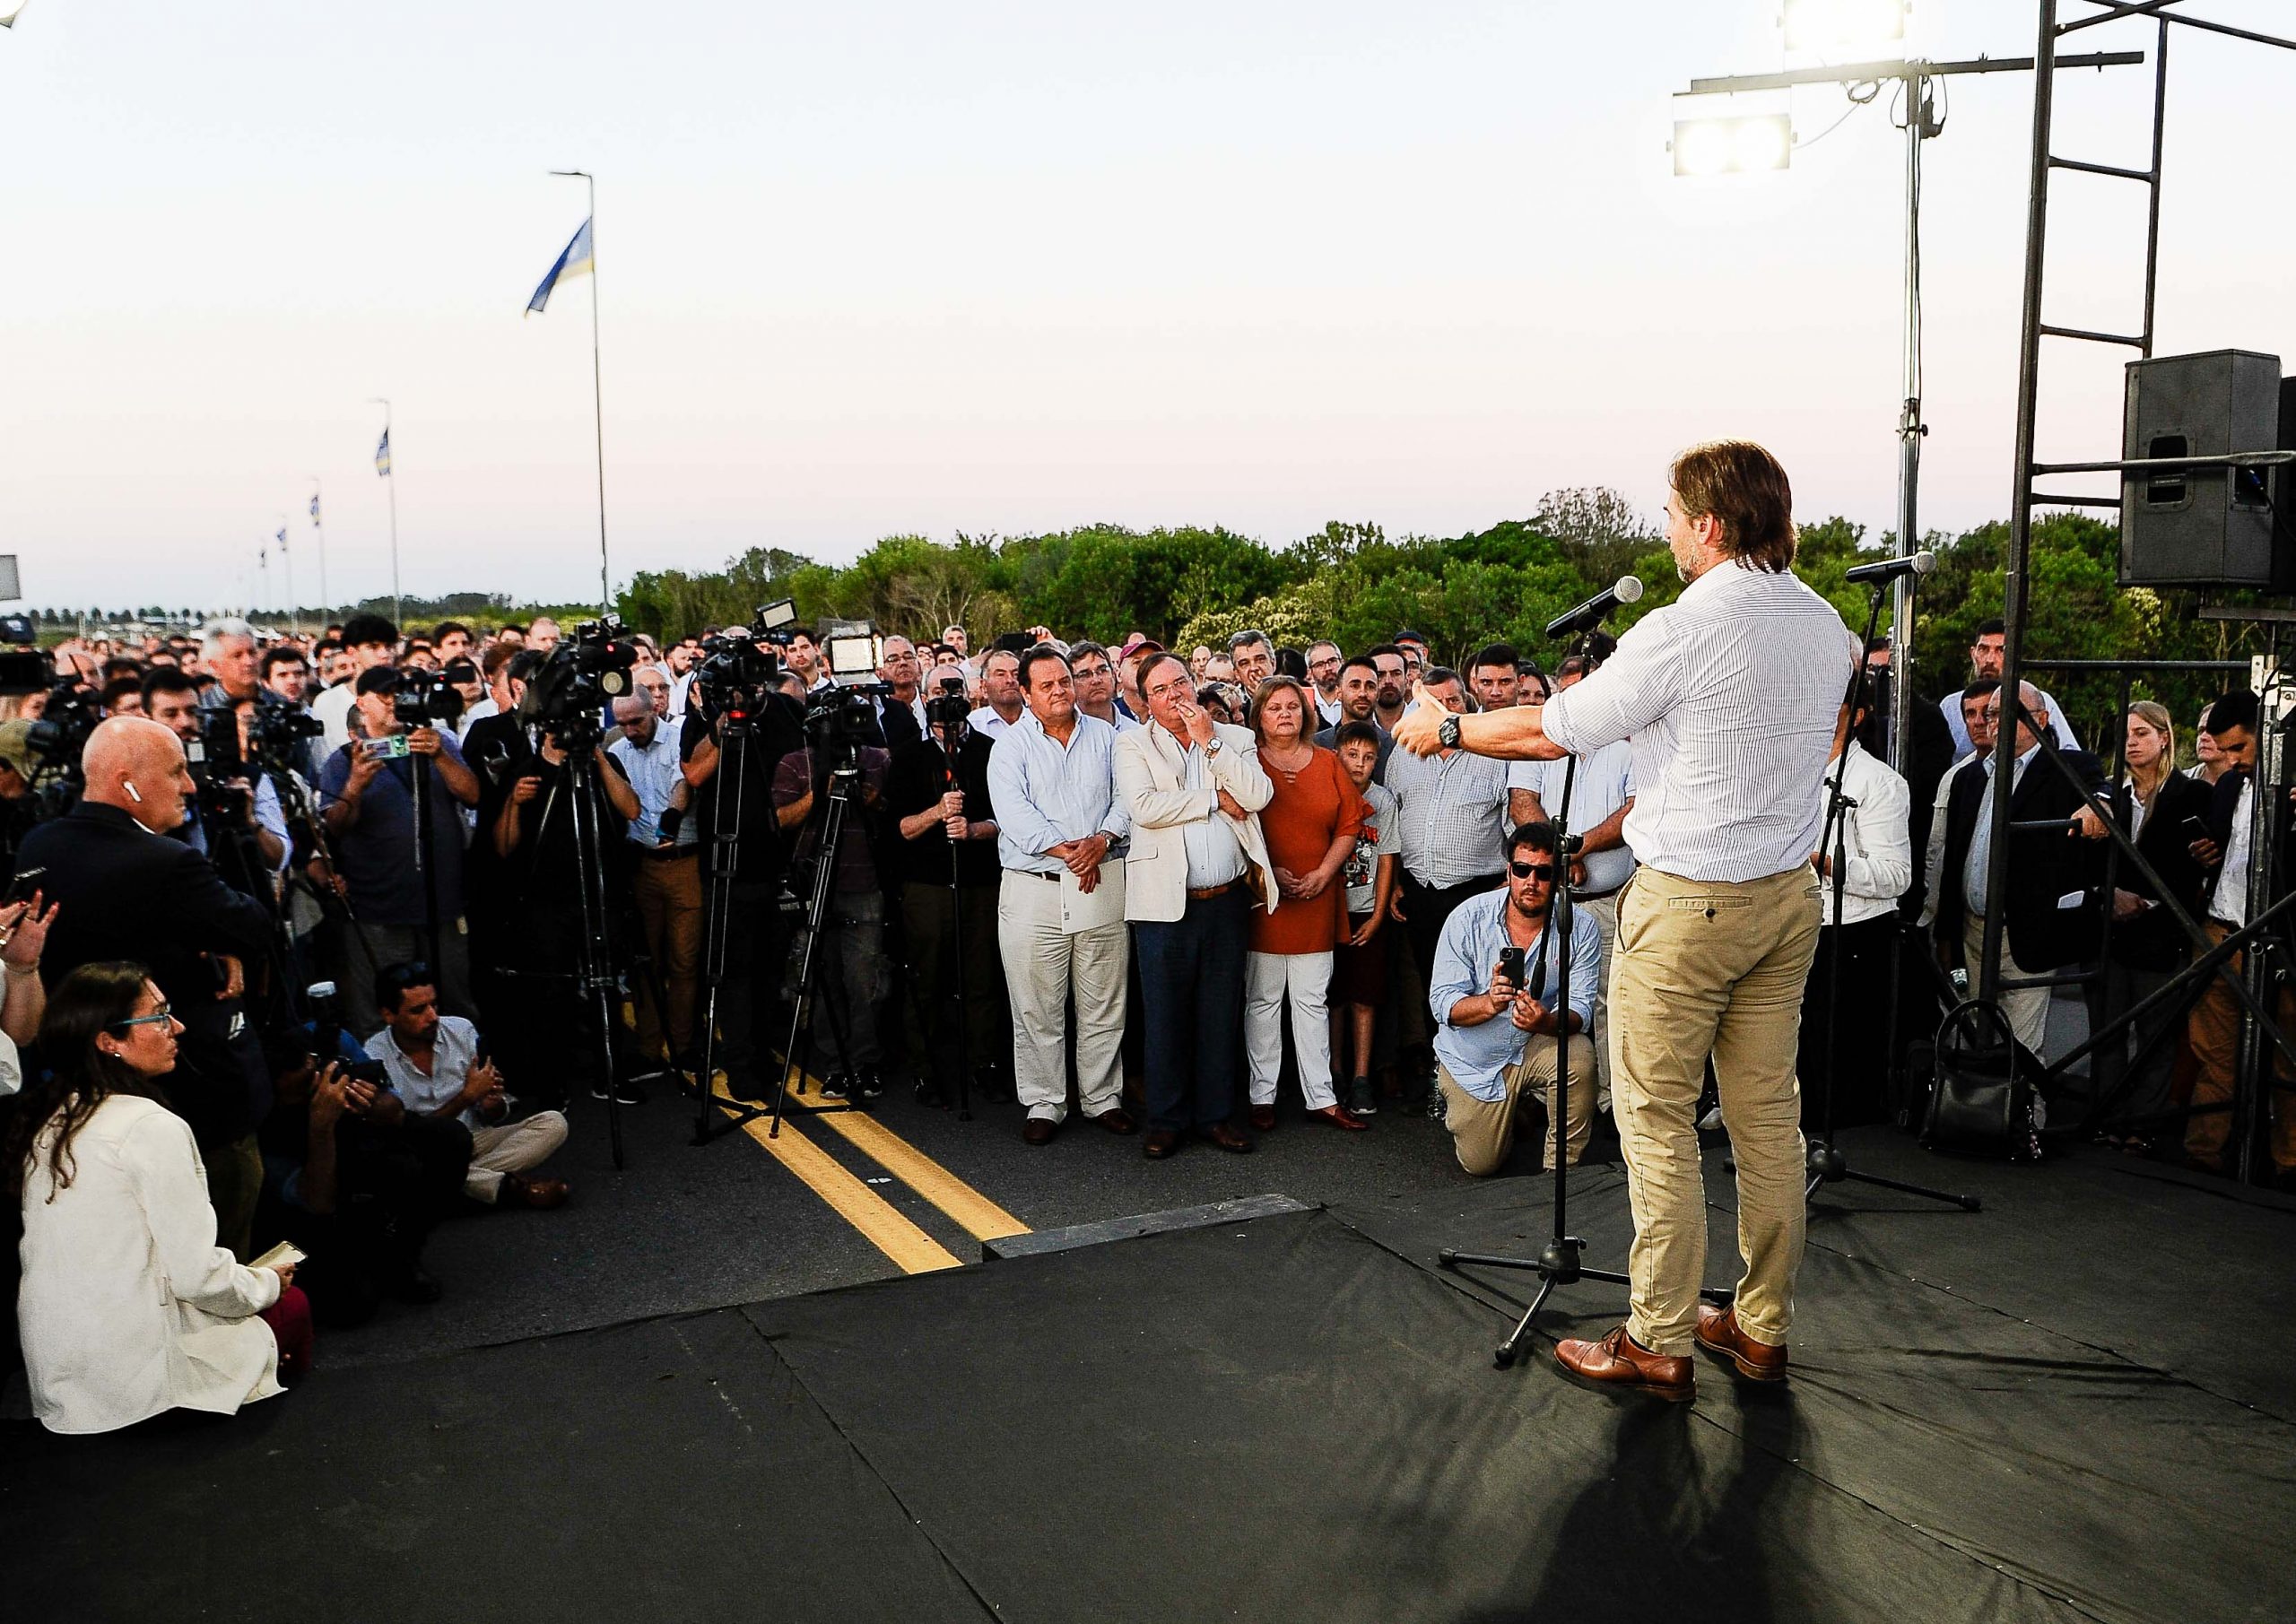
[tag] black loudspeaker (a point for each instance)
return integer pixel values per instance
(2206, 526)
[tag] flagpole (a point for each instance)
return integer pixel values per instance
(287, 562)
(597, 391)
(393, 477)
(319, 525)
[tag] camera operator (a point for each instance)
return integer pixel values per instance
(367, 798)
(19, 807)
(757, 931)
(223, 793)
(938, 789)
(546, 1030)
(667, 884)
(124, 891)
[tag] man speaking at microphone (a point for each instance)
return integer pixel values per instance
(1729, 696)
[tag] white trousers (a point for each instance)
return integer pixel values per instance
(1304, 981)
(2026, 1008)
(512, 1148)
(1044, 967)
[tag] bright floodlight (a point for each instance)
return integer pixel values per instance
(1733, 146)
(1827, 25)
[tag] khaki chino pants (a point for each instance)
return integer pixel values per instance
(1483, 1131)
(1700, 968)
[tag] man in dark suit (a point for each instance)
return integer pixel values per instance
(2048, 878)
(129, 892)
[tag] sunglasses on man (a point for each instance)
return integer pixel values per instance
(1531, 870)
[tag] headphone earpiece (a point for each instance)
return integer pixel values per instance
(133, 794)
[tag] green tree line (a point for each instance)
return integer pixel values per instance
(1355, 584)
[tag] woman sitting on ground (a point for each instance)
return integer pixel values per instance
(128, 1308)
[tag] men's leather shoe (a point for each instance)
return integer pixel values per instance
(540, 1193)
(1718, 1333)
(1160, 1143)
(1038, 1131)
(1340, 1116)
(1225, 1137)
(1619, 1363)
(1116, 1119)
(1263, 1119)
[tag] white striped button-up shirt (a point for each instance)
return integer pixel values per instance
(1043, 794)
(1730, 695)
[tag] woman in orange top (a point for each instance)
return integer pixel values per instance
(1310, 828)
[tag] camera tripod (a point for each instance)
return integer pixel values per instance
(842, 783)
(1557, 1263)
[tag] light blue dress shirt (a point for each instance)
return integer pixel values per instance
(1478, 1057)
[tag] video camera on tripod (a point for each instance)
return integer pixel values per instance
(567, 698)
(58, 738)
(842, 716)
(423, 698)
(740, 665)
(948, 709)
(279, 736)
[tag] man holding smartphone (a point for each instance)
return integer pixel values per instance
(367, 797)
(1494, 992)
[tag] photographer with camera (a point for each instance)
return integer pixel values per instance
(367, 795)
(228, 802)
(947, 861)
(732, 694)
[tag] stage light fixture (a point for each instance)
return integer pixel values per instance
(1828, 25)
(1733, 146)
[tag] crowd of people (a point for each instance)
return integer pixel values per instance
(295, 952)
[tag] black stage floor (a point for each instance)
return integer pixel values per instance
(2072, 1405)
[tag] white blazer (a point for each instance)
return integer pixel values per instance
(1149, 782)
(129, 1306)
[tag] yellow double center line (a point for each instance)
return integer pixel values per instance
(910, 1249)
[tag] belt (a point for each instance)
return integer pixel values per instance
(1597, 896)
(1037, 874)
(1207, 892)
(672, 855)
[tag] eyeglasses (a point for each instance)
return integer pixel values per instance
(1086, 673)
(1531, 870)
(159, 1017)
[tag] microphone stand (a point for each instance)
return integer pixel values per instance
(1557, 1264)
(1826, 1164)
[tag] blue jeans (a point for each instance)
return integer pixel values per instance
(1192, 995)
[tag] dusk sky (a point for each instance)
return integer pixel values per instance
(1003, 268)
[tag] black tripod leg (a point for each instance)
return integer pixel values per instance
(1968, 1203)
(1511, 1349)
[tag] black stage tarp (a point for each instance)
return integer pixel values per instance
(1294, 1417)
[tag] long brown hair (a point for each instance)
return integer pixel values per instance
(78, 1076)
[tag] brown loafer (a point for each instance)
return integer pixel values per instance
(1160, 1143)
(1263, 1119)
(540, 1193)
(1340, 1116)
(1116, 1119)
(1618, 1363)
(1718, 1333)
(1225, 1137)
(1038, 1131)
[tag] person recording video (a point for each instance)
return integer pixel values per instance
(367, 797)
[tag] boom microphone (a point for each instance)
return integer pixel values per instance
(1589, 614)
(1889, 569)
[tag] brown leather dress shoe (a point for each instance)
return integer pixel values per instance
(1718, 1333)
(1263, 1119)
(1225, 1137)
(1620, 1364)
(1116, 1119)
(540, 1193)
(1160, 1143)
(1340, 1116)
(1038, 1131)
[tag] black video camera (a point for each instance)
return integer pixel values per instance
(66, 721)
(948, 709)
(277, 733)
(422, 700)
(217, 761)
(567, 694)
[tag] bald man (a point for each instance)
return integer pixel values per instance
(127, 891)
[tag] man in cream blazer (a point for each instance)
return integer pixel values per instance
(1193, 789)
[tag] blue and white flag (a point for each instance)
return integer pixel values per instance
(283, 538)
(315, 507)
(382, 461)
(575, 262)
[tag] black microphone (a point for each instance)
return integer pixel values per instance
(1889, 569)
(1626, 589)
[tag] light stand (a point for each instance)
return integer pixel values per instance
(425, 868)
(1557, 1264)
